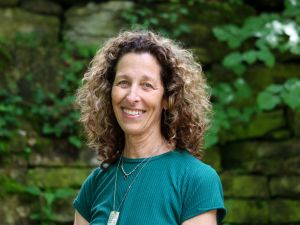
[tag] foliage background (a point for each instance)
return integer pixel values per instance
(249, 51)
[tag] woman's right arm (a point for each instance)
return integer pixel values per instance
(79, 220)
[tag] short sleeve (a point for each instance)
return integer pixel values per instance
(203, 192)
(83, 200)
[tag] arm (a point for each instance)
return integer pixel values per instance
(79, 220)
(208, 218)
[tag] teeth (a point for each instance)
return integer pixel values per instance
(133, 112)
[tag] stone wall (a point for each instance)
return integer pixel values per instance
(259, 162)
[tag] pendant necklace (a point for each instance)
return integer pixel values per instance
(125, 174)
(114, 214)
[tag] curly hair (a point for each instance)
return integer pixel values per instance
(187, 116)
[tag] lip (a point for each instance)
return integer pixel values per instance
(132, 113)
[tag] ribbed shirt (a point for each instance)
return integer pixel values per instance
(169, 189)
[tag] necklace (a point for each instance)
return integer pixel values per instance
(125, 174)
(114, 214)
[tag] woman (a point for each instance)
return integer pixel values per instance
(145, 108)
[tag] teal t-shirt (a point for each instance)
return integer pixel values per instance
(170, 188)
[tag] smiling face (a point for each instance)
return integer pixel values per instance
(137, 94)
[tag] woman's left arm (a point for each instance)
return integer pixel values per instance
(207, 218)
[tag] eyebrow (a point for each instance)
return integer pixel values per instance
(144, 77)
(121, 76)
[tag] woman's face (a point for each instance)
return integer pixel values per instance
(137, 94)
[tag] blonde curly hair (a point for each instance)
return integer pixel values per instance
(186, 118)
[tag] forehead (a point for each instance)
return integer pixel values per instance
(141, 64)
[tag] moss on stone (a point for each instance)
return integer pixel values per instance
(8, 2)
(261, 125)
(94, 23)
(260, 77)
(263, 157)
(212, 157)
(294, 122)
(43, 7)
(247, 211)
(14, 211)
(285, 186)
(57, 178)
(245, 186)
(285, 211)
(13, 21)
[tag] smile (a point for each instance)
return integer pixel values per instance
(133, 112)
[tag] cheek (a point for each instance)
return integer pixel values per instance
(114, 96)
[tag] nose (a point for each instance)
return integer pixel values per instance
(133, 95)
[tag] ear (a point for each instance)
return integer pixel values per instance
(165, 104)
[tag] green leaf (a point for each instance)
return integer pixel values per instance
(210, 139)
(274, 88)
(76, 141)
(291, 93)
(250, 56)
(233, 112)
(295, 49)
(239, 69)
(232, 59)
(63, 193)
(243, 90)
(211, 136)
(267, 101)
(267, 57)
(35, 216)
(292, 84)
(247, 113)
(224, 93)
(47, 129)
(33, 190)
(291, 100)
(49, 197)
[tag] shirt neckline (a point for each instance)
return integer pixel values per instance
(136, 160)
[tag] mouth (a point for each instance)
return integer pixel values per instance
(133, 112)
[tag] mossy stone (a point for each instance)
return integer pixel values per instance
(247, 211)
(212, 157)
(285, 186)
(63, 210)
(285, 211)
(261, 125)
(294, 122)
(57, 177)
(262, 157)
(47, 155)
(94, 23)
(283, 134)
(42, 7)
(260, 77)
(13, 21)
(14, 211)
(8, 2)
(245, 186)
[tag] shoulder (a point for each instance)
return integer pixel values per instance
(189, 170)
(96, 172)
(93, 176)
(191, 164)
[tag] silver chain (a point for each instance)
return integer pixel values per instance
(126, 175)
(147, 160)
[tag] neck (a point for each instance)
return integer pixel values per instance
(145, 146)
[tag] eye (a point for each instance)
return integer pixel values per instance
(123, 83)
(147, 85)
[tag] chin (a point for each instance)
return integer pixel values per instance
(132, 130)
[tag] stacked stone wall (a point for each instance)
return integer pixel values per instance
(259, 162)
